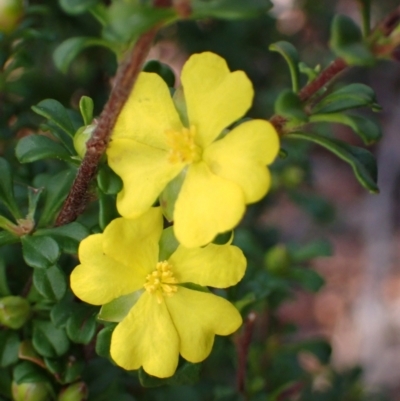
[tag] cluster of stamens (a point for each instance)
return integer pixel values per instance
(161, 281)
(183, 147)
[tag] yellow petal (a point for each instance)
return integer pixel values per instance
(241, 156)
(146, 337)
(198, 316)
(148, 113)
(134, 242)
(99, 278)
(215, 97)
(217, 266)
(145, 171)
(206, 205)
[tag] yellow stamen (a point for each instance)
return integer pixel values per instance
(183, 147)
(161, 281)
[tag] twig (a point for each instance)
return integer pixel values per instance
(96, 146)
(386, 27)
(336, 67)
(243, 345)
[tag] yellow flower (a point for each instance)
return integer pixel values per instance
(168, 318)
(150, 146)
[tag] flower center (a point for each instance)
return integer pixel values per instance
(182, 146)
(162, 281)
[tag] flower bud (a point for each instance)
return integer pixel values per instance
(81, 137)
(74, 392)
(292, 176)
(11, 12)
(277, 259)
(31, 391)
(14, 311)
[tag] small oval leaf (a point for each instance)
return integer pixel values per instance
(347, 42)
(77, 6)
(51, 282)
(364, 127)
(57, 113)
(37, 147)
(289, 53)
(48, 340)
(39, 252)
(361, 161)
(7, 188)
(66, 52)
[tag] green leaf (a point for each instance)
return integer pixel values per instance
(28, 353)
(77, 6)
(349, 97)
(318, 207)
(9, 344)
(347, 42)
(185, 375)
(57, 113)
(361, 161)
(60, 134)
(73, 371)
(289, 53)
(39, 252)
(366, 129)
(161, 69)
(289, 105)
(57, 188)
(37, 147)
(86, 108)
(66, 369)
(51, 282)
(168, 244)
(48, 340)
(109, 182)
(4, 289)
(28, 372)
(117, 309)
(5, 384)
(7, 188)
(309, 279)
(315, 249)
(230, 9)
(67, 51)
(68, 237)
(33, 199)
(81, 325)
(366, 16)
(127, 21)
(107, 209)
(8, 238)
(311, 73)
(103, 341)
(62, 310)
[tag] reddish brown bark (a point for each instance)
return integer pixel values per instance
(96, 146)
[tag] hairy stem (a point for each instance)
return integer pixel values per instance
(96, 146)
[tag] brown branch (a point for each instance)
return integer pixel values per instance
(386, 27)
(243, 345)
(390, 23)
(96, 146)
(335, 68)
